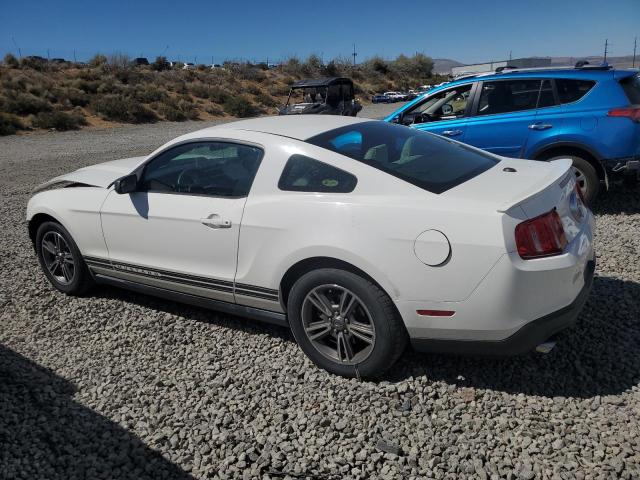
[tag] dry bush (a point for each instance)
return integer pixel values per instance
(10, 124)
(240, 106)
(58, 120)
(123, 109)
(25, 103)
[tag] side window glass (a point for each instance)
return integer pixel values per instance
(546, 98)
(570, 90)
(203, 168)
(304, 174)
(508, 96)
(446, 105)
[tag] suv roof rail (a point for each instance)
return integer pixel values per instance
(505, 67)
(585, 65)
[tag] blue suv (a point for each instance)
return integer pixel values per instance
(588, 113)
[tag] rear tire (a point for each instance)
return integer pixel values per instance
(586, 177)
(345, 324)
(61, 260)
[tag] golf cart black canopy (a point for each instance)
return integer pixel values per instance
(321, 82)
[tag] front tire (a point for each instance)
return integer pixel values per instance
(61, 260)
(345, 324)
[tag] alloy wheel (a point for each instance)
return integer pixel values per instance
(338, 324)
(58, 258)
(581, 181)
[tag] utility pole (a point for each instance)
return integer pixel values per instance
(635, 44)
(74, 56)
(606, 47)
(17, 47)
(354, 54)
(510, 55)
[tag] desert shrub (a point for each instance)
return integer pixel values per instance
(178, 110)
(25, 103)
(123, 109)
(215, 110)
(10, 61)
(218, 94)
(119, 60)
(109, 87)
(9, 124)
(149, 94)
(253, 89)
(98, 60)
(278, 90)
(73, 96)
(35, 63)
(58, 120)
(293, 66)
(266, 100)
(240, 106)
(375, 65)
(87, 86)
(199, 90)
(160, 63)
(250, 72)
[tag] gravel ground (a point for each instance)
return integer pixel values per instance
(118, 385)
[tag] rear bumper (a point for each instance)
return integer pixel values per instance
(523, 340)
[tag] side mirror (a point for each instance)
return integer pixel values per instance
(126, 184)
(447, 109)
(397, 119)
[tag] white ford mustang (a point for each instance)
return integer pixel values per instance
(359, 235)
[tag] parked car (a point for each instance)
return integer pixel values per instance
(590, 114)
(324, 96)
(380, 98)
(140, 61)
(394, 96)
(188, 66)
(357, 234)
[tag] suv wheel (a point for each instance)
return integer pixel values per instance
(586, 177)
(345, 324)
(60, 259)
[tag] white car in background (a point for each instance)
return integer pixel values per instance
(360, 235)
(395, 96)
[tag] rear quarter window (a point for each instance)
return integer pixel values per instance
(631, 87)
(304, 174)
(571, 90)
(428, 161)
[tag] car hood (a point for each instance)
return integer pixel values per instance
(99, 175)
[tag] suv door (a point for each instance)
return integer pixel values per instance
(179, 230)
(444, 112)
(502, 114)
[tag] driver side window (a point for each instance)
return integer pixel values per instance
(446, 105)
(203, 168)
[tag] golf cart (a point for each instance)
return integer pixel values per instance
(324, 96)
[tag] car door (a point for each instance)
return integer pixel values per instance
(502, 115)
(179, 230)
(443, 113)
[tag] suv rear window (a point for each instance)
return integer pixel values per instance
(631, 87)
(570, 90)
(430, 162)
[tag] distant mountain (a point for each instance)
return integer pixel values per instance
(444, 65)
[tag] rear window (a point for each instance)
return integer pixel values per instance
(570, 90)
(430, 162)
(631, 87)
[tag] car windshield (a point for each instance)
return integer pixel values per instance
(430, 162)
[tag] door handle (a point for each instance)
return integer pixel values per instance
(215, 221)
(452, 133)
(540, 126)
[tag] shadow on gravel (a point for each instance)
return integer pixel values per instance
(45, 434)
(619, 199)
(597, 356)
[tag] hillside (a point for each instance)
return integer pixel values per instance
(36, 94)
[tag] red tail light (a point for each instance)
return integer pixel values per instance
(542, 236)
(628, 112)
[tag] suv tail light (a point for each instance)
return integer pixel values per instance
(542, 236)
(629, 112)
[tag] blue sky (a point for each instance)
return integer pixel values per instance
(467, 31)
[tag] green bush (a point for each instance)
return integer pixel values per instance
(160, 64)
(58, 120)
(10, 61)
(215, 110)
(240, 106)
(178, 110)
(25, 103)
(149, 94)
(9, 124)
(123, 109)
(98, 60)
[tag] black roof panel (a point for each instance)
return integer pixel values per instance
(321, 82)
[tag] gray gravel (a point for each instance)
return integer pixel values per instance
(118, 385)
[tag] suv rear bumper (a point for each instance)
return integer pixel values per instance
(525, 339)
